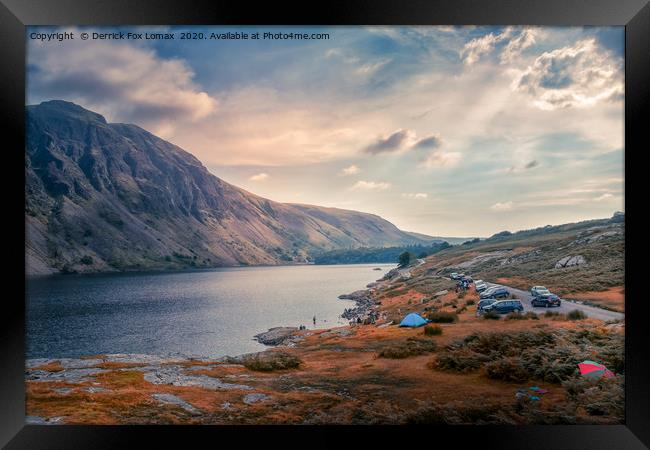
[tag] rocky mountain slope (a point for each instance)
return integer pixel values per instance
(108, 196)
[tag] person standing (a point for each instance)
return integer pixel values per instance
(314, 319)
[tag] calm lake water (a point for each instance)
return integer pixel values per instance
(203, 313)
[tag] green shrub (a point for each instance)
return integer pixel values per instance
(576, 314)
(491, 315)
(410, 347)
(442, 317)
(518, 316)
(507, 369)
(459, 360)
(432, 330)
(470, 302)
(270, 361)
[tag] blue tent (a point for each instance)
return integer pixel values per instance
(413, 320)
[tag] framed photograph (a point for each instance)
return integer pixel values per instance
(365, 220)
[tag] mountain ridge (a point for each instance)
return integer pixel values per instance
(109, 197)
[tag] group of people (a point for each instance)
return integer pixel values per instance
(462, 285)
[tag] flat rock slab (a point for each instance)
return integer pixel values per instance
(94, 390)
(63, 391)
(343, 332)
(66, 375)
(250, 399)
(66, 363)
(170, 399)
(276, 336)
(37, 420)
(175, 376)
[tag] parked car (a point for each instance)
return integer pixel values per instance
(546, 300)
(489, 289)
(498, 292)
(539, 290)
(485, 302)
(480, 286)
(468, 279)
(505, 306)
(453, 276)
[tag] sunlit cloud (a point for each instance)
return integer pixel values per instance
(441, 159)
(580, 75)
(259, 177)
(415, 196)
(605, 196)
(350, 170)
(503, 206)
(370, 186)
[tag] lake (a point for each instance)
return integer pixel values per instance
(207, 313)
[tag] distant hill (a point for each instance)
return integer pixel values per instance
(577, 257)
(109, 196)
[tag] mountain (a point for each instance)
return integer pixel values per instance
(109, 196)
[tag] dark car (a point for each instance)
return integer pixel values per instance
(505, 306)
(546, 300)
(536, 291)
(499, 292)
(485, 302)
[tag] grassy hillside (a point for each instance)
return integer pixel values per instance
(531, 257)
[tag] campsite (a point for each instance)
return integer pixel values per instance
(425, 357)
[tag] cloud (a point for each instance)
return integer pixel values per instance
(472, 51)
(350, 170)
(605, 196)
(391, 143)
(441, 159)
(370, 186)
(580, 76)
(371, 67)
(415, 196)
(429, 142)
(526, 38)
(259, 177)
(126, 82)
(502, 206)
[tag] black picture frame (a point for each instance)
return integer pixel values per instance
(16, 14)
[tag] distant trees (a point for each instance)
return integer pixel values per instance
(377, 254)
(405, 258)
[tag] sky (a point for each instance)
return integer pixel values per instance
(442, 130)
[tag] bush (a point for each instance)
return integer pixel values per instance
(491, 315)
(410, 347)
(576, 314)
(507, 369)
(470, 302)
(442, 317)
(519, 316)
(459, 360)
(432, 330)
(551, 314)
(600, 397)
(270, 361)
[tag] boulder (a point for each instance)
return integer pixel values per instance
(570, 261)
(276, 336)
